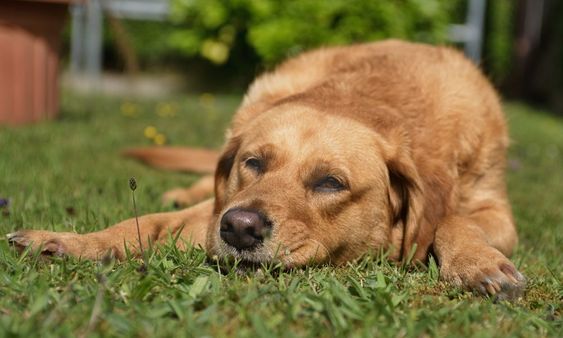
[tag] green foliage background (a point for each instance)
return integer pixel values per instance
(499, 38)
(247, 36)
(273, 29)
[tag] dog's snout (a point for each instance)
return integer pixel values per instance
(244, 229)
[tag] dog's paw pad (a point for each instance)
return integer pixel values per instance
(52, 248)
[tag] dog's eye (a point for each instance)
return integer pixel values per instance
(254, 164)
(329, 184)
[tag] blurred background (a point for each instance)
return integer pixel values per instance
(159, 48)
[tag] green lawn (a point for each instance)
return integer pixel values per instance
(68, 175)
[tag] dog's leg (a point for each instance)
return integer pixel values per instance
(192, 224)
(199, 191)
(472, 250)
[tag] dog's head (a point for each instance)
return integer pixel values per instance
(299, 186)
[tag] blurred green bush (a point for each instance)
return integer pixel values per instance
(499, 38)
(243, 37)
(275, 29)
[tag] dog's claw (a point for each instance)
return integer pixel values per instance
(507, 287)
(490, 274)
(48, 245)
(17, 238)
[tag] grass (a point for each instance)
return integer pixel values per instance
(68, 176)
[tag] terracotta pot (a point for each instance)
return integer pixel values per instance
(30, 33)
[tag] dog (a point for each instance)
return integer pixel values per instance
(340, 151)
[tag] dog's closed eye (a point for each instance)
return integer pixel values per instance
(328, 184)
(254, 164)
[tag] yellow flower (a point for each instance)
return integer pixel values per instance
(215, 51)
(150, 132)
(166, 110)
(129, 109)
(159, 139)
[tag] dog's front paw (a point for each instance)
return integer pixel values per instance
(50, 243)
(486, 271)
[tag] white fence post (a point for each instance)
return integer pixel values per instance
(87, 29)
(471, 33)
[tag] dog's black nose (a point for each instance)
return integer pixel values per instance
(244, 229)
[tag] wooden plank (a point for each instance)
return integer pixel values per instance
(29, 41)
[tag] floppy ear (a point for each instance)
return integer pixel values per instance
(406, 202)
(223, 171)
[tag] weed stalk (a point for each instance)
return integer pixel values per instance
(133, 187)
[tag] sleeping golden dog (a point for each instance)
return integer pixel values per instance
(340, 151)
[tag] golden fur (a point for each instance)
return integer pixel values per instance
(414, 137)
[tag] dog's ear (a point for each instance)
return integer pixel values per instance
(223, 171)
(406, 203)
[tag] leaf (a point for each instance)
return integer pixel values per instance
(381, 283)
(177, 309)
(433, 270)
(198, 286)
(40, 303)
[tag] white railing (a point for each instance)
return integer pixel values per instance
(87, 28)
(471, 32)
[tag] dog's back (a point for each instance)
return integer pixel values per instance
(435, 92)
